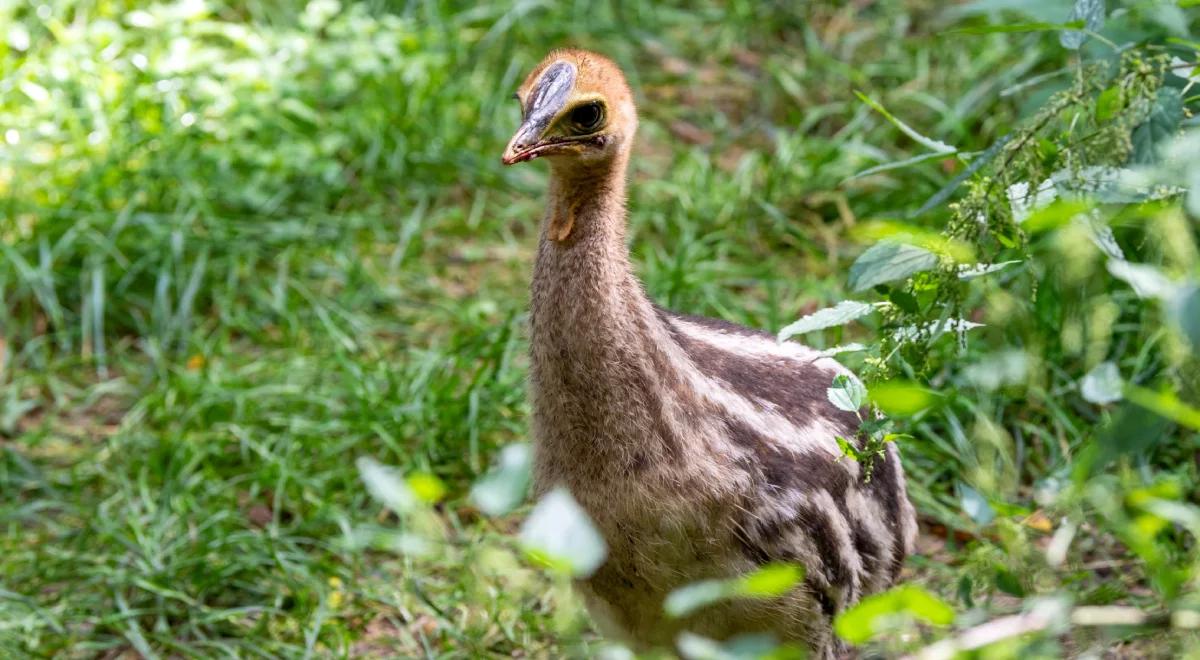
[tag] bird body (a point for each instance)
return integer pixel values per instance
(700, 449)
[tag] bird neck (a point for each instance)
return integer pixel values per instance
(597, 367)
(583, 284)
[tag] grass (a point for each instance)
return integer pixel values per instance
(230, 273)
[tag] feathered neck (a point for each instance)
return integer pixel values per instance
(585, 295)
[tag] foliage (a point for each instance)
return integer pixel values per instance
(254, 253)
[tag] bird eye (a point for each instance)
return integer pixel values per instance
(587, 116)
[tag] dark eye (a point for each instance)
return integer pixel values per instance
(587, 116)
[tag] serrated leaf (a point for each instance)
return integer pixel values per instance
(559, 532)
(929, 143)
(1091, 12)
(847, 393)
(882, 612)
(1102, 385)
(888, 261)
(1159, 127)
(840, 314)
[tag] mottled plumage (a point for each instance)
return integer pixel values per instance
(701, 449)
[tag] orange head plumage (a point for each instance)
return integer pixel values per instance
(575, 108)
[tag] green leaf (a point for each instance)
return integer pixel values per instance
(904, 300)
(975, 505)
(929, 143)
(504, 488)
(902, 398)
(1102, 385)
(559, 532)
(1147, 281)
(977, 163)
(1184, 309)
(848, 449)
(1159, 127)
(1054, 215)
(888, 261)
(691, 597)
(890, 610)
(1007, 582)
(840, 314)
(1018, 27)
(1091, 14)
(1165, 404)
(979, 270)
(847, 393)
(771, 580)
(385, 485)
(1108, 103)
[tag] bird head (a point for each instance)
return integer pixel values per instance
(576, 109)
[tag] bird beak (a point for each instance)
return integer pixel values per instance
(546, 99)
(524, 145)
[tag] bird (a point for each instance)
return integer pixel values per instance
(700, 449)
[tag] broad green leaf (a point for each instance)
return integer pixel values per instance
(902, 398)
(768, 581)
(888, 261)
(504, 488)
(1054, 215)
(560, 533)
(1102, 384)
(689, 598)
(771, 580)
(975, 505)
(1023, 202)
(1147, 281)
(847, 393)
(1184, 309)
(912, 234)
(1009, 583)
(753, 646)
(840, 314)
(890, 610)
(928, 143)
(1166, 404)
(1091, 13)
(386, 485)
(1159, 127)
